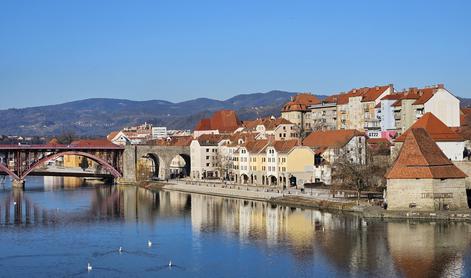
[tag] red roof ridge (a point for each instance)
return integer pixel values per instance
(438, 130)
(421, 158)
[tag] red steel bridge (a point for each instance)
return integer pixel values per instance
(18, 161)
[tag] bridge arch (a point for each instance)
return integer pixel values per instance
(95, 158)
(8, 171)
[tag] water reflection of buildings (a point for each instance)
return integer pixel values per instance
(347, 243)
(428, 249)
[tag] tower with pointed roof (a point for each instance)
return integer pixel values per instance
(423, 178)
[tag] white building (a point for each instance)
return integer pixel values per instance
(159, 132)
(450, 142)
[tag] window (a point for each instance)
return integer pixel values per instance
(207, 164)
(207, 157)
(207, 150)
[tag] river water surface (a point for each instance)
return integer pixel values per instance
(57, 225)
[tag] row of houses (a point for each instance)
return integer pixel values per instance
(379, 111)
(269, 151)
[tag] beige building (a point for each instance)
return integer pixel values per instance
(297, 111)
(423, 178)
(274, 163)
(324, 115)
(357, 108)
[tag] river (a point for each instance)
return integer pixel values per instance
(56, 226)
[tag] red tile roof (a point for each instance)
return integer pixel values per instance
(269, 123)
(375, 141)
(112, 135)
(284, 146)
(421, 158)
(367, 94)
(331, 138)
(435, 128)
(177, 141)
(300, 102)
(225, 121)
(255, 146)
(94, 143)
(211, 139)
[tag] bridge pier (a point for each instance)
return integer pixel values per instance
(18, 183)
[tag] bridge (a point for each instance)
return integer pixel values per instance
(120, 162)
(161, 157)
(19, 161)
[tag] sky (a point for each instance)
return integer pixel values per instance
(58, 51)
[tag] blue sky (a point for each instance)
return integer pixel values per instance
(57, 51)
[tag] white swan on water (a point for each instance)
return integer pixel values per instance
(149, 243)
(120, 249)
(170, 264)
(89, 267)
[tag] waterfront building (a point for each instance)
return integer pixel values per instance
(221, 122)
(451, 143)
(330, 145)
(297, 111)
(423, 178)
(205, 156)
(278, 163)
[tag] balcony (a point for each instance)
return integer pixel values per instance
(372, 124)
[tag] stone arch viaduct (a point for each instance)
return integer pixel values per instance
(161, 155)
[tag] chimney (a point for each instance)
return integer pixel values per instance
(440, 86)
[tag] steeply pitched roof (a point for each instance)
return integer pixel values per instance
(300, 102)
(226, 121)
(112, 135)
(331, 138)
(421, 158)
(435, 128)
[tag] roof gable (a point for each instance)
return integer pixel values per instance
(421, 158)
(330, 138)
(438, 130)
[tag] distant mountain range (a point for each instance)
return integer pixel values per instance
(99, 116)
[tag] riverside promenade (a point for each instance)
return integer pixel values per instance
(315, 198)
(311, 198)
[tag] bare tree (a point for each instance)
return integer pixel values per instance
(224, 164)
(348, 174)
